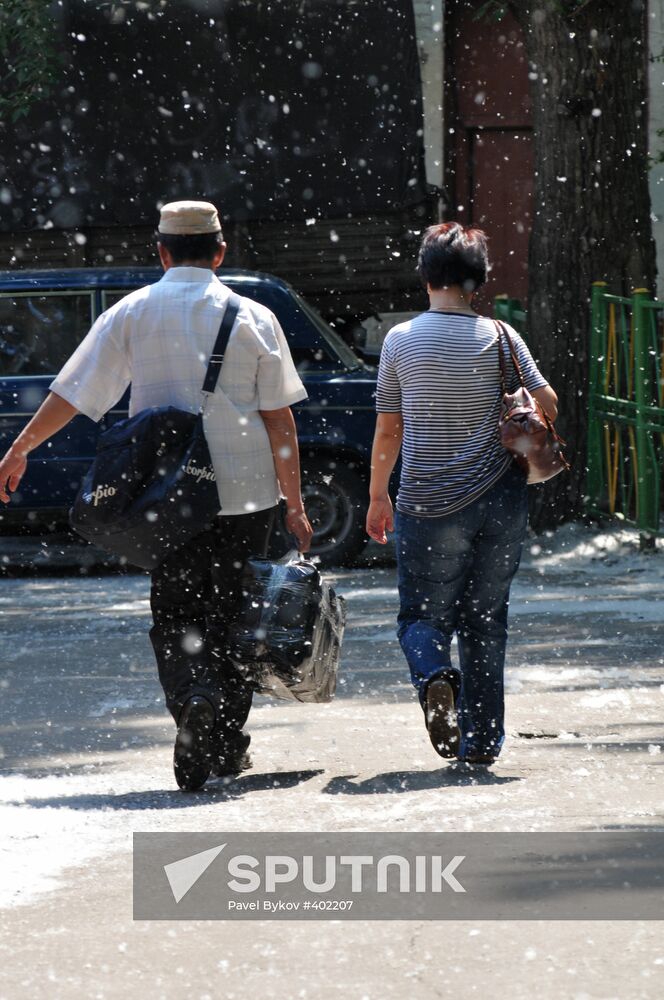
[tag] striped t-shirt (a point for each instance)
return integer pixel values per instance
(440, 371)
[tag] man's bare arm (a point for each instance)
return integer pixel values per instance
(54, 414)
(280, 427)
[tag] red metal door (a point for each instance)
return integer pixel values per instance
(489, 150)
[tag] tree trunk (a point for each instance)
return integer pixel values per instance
(591, 199)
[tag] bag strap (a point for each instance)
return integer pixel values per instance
(502, 329)
(221, 343)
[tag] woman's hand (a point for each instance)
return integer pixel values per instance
(384, 454)
(380, 518)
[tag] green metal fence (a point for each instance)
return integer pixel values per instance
(626, 407)
(510, 311)
(625, 404)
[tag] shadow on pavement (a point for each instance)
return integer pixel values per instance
(38, 746)
(394, 782)
(590, 876)
(220, 790)
(621, 747)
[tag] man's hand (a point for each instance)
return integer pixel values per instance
(380, 518)
(53, 414)
(12, 467)
(297, 523)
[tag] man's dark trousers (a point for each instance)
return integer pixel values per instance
(195, 595)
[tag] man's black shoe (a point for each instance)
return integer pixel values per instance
(478, 758)
(441, 718)
(191, 755)
(230, 757)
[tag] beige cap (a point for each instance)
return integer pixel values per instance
(189, 218)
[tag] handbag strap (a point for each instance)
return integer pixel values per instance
(502, 329)
(221, 343)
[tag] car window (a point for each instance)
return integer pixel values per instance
(339, 345)
(312, 344)
(109, 299)
(39, 332)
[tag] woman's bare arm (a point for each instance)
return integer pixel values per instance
(547, 399)
(384, 455)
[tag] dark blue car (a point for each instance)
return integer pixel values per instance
(45, 314)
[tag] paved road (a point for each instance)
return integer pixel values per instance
(86, 761)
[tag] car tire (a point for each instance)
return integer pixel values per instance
(335, 498)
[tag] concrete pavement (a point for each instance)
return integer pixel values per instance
(87, 762)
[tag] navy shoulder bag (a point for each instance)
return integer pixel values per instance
(152, 486)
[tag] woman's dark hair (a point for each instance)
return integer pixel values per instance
(202, 246)
(452, 254)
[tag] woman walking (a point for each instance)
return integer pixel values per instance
(461, 506)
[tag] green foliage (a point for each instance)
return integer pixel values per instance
(29, 60)
(493, 10)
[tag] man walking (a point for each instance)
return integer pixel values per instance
(159, 339)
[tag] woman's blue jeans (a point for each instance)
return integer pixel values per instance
(455, 573)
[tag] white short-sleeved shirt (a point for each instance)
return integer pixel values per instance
(159, 339)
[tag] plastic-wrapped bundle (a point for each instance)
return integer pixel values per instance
(287, 637)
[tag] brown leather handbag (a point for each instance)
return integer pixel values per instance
(525, 429)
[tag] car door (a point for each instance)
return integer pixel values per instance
(339, 385)
(334, 425)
